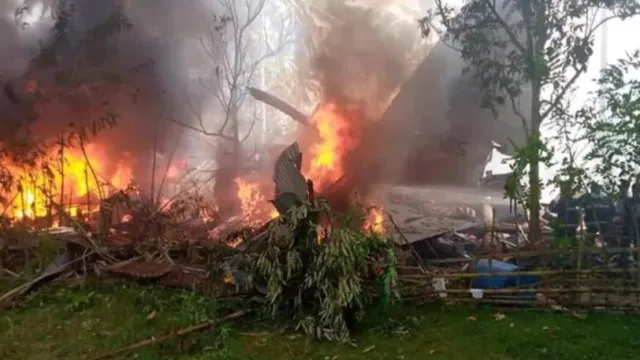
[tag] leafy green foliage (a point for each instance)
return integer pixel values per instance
(612, 122)
(323, 277)
(535, 147)
(525, 52)
(567, 134)
(511, 45)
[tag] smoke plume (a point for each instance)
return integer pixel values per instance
(433, 130)
(100, 68)
(361, 54)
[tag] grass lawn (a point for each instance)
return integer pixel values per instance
(82, 321)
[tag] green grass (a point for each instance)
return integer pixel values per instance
(63, 322)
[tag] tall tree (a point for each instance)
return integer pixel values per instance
(529, 52)
(236, 46)
(612, 122)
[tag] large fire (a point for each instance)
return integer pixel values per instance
(70, 176)
(339, 134)
(255, 207)
(72, 182)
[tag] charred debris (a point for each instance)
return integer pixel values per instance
(288, 261)
(175, 244)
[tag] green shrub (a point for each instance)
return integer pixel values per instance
(324, 277)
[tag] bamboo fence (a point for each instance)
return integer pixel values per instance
(592, 274)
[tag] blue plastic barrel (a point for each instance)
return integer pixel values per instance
(499, 281)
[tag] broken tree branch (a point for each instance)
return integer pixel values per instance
(176, 333)
(279, 104)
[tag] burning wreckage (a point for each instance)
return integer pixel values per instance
(175, 243)
(175, 246)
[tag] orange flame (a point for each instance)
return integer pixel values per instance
(255, 208)
(30, 196)
(374, 220)
(339, 132)
(338, 136)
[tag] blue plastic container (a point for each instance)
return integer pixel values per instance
(499, 281)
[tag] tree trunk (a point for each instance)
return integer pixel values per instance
(226, 189)
(534, 165)
(534, 196)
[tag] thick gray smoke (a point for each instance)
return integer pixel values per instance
(438, 133)
(431, 131)
(362, 53)
(138, 73)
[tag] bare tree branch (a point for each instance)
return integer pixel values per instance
(200, 130)
(253, 123)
